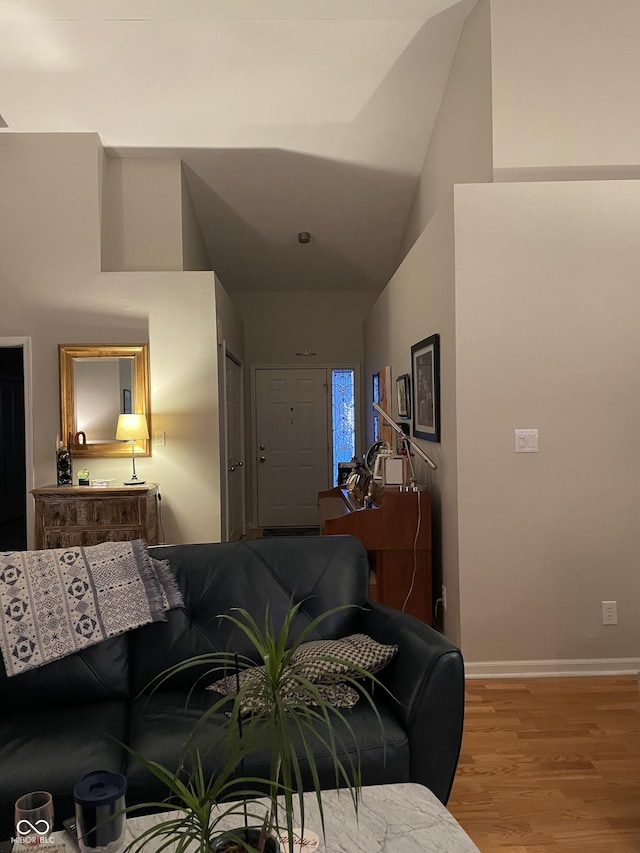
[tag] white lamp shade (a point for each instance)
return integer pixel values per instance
(132, 428)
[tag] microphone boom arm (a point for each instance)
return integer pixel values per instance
(409, 443)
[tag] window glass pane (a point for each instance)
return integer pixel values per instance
(376, 399)
(343, 418)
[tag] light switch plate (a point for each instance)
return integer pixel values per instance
(159, 439)
(526, 440)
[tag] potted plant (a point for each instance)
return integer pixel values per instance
(195, 808)
(288, 702)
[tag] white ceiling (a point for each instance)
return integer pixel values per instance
(290, 115)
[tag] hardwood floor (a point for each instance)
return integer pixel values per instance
(550, 764)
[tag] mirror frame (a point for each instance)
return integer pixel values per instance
(141, 402)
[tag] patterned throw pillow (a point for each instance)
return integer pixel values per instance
(323, 663)
(251, 679)
(347, 656)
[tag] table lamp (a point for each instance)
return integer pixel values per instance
(132, 428)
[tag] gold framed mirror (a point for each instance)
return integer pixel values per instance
(98, 382)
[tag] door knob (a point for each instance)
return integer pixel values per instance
(262, 459)
(262, 447)
(231, 468)
(240, 464)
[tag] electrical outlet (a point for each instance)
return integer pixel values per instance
(609, 612)
(444, 597)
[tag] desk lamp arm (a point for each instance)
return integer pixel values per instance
(406, 440)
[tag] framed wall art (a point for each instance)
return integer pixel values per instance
(403, 391)
(425, 381)
(382, 387)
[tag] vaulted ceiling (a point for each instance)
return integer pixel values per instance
(289, 115)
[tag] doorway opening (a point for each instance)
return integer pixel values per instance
(234, 447)
(13, 472)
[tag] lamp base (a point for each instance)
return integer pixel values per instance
(134, 482)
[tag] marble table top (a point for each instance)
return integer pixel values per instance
(391, 818)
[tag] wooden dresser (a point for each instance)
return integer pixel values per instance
(87, 515)
(397, 536)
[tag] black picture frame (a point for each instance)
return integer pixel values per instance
(403, 393)
(425, 383)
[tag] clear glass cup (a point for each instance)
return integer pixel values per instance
(34, 818)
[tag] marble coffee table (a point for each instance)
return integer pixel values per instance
(401, 818)
(391, 818)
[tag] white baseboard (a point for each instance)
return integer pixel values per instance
(552, 668)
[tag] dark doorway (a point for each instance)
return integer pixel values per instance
(13, 480)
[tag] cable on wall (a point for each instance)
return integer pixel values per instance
(415, 554)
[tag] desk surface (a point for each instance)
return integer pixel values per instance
(406, 817)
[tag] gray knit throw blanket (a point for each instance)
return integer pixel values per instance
(56, 602)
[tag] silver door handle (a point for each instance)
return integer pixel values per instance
(240, 464)
(262, 459)
(231, 468)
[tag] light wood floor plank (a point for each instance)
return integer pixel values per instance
(551, 764)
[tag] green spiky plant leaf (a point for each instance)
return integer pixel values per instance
(283, 711)
(196, 803)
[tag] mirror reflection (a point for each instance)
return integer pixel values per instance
(98, 383)
(102, 391)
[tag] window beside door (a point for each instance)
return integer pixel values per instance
(343, 417)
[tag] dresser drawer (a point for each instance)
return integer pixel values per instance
(96, 512)
(72, 538)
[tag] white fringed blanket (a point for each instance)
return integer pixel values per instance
(54, 603)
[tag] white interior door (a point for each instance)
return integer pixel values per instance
(292, 455)
(235, 454)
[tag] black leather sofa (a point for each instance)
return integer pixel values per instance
(71, 716)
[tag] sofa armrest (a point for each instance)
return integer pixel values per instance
(426, 680)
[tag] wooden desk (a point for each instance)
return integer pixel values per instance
(87, 515)
(400, 560)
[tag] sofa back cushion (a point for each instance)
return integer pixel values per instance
(95, 674)
(323, 572)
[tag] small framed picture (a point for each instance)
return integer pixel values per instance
(403, 390)
(425, 380)
(394, 470)
(126, 401)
